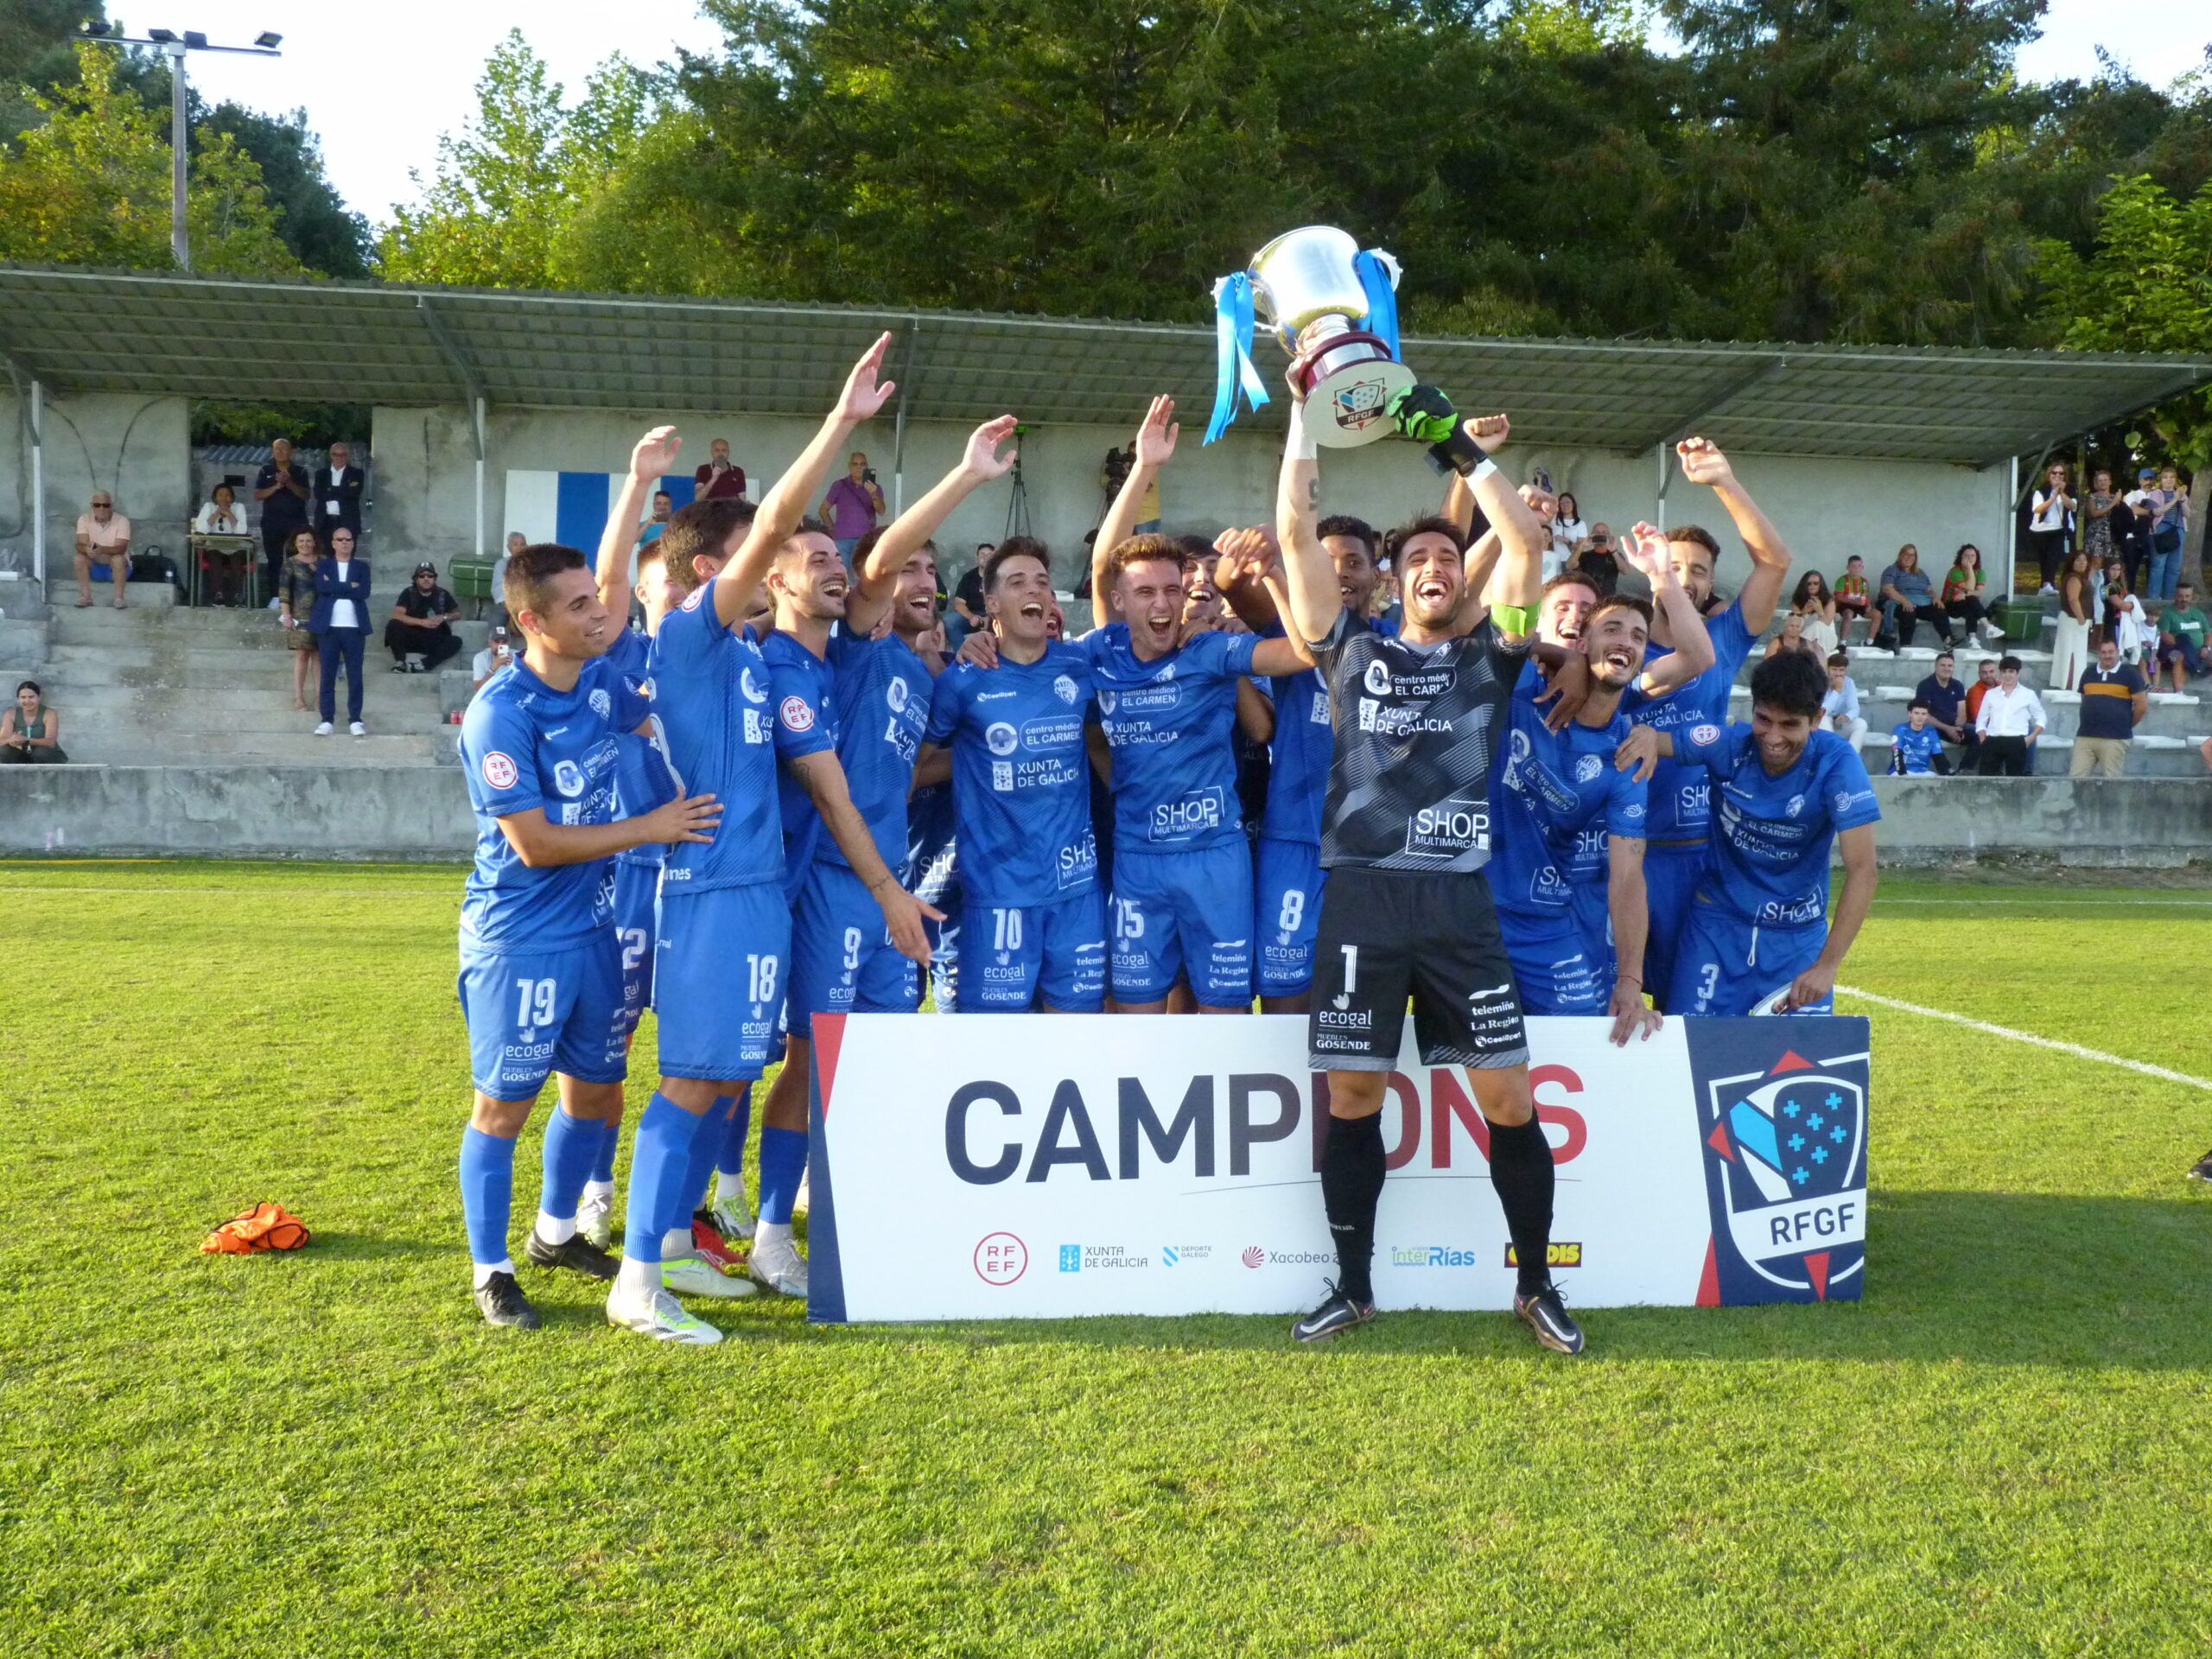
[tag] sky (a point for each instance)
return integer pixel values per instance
(381, 84)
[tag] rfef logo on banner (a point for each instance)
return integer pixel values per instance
(1000, 1259)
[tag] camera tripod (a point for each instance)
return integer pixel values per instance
(1017, 505)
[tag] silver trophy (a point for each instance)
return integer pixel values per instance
(1334, 307)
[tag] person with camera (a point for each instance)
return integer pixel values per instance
(852, 505)
(717, 478)
(495, 656)
(1596, 558)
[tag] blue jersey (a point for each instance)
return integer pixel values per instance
(1559, 800)
(524, 745)
(644, 781)
(1916, 751)
(1171, 722)
(1771, 835)
(1300, 754)
(710, 689)
(883, 709)
(804, 688)
(1682, 807)
(1020, 777)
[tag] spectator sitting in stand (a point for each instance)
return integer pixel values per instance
(1908, 598)
(1854, 601)
(1985, 681)
(2010, 720)
(968, 600)
(1946, 697)
(102, 534)
(515, 542)
(1596, 558)
(419, 636)
(718, 478)
(2114, 699)
(1793, 638)
(30, 732)
(221, 515)
(1915, 746)
(1813, 602)
(295, 610)
(1965, 591)
(495, 656)
(2181, 637)
(1840, 707)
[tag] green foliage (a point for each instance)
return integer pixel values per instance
(91, 185)
(312, 219)
(37, 53)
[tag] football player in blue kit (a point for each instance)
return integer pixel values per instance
(1759, 936)
(850, 714)
(541, 980)
(1034, 921)
(1681, 795)
(1182, 878)
(725, 930)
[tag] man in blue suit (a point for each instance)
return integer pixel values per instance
(341, 627)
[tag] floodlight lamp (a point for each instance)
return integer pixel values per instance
(161, 36)
(94, 30)
(194, 38)
(268, 39)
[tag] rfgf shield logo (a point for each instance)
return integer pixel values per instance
(1785, 1163)
(1001, 1258)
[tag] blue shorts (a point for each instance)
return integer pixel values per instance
(1670, 876)
(842, 960)
(1553, 967)
(718, 981)
(637, 897)
(1010, 953)
(1184, 913)
(531, 1015)
(1289, 882)
(1725, 966)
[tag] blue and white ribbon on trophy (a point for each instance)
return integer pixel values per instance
(1233, 369)
(1378, 276)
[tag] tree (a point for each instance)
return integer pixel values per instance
(91, 186)
(2147, 287)
(321, 231)
(37, 53)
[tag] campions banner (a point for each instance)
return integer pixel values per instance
(1044, 1166)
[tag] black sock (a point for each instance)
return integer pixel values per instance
(1521, 1170)
(1351, 1185)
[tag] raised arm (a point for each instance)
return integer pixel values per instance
(1155, 447)
(1694, 653)
(877, 579)
(1703, 463)
(653, 460)
(1309, 578)
(1517, 584)
(785, 505)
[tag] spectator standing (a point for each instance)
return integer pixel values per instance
(967, 598)
(2069, 651)
(1854, 601)
(2096, 519)
(221, 515)
(1909, 597)
(1814, 602)
(1596, 558)
(282, 489)
(1985, 681)
(852, 505)
(515, 542)
(1839, 706)
(718, 478)
(2114, 699)
(30, 732)
(654, 527)
(2134, 532)
(338, 486)
(1915, 746)
(2010, 720)
(418, 635)
(102, 534)
(2126, 621)
(295, 609)
(2181, 637)
(1966, 592)
(340, 624)
(2169, 510)
(1569, 533)
(2050, 524)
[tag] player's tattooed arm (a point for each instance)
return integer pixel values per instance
(1860, 877)
(1703, 463)
(653, 460)
(1309, 576)
(1646, 547)
(783, 506)
(1627, 902)
(543, 846)
(877, 579)
(1644, 748)
(1155, 447)
(824, 779)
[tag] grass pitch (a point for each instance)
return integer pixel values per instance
(2007, 1450)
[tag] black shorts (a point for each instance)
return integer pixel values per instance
(1386, 936)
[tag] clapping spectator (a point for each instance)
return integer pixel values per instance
(1839, 706)
(1964, 592)
(1915, 746)
(853, 504)
(1909, 597)
(1815, 604)
(295, 609)
(340, 624)
(2010, 720)
(418, 635)
(2181, 637)
(102, 534)
(338, 486)
(2114, 699)
(221, 515)
(2050, 522)
(1854, 601)
(2169, 510)
(1946, 697)
(1569, 533)
(719, 477)
(30, 732)
(2070, 649)
(281, 486)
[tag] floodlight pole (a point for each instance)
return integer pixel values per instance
(38, 486)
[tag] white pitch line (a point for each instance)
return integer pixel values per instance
(2029, 1036)
(2040, 902)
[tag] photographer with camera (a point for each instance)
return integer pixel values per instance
(1116, 473)
(495, 656)
(852, 505)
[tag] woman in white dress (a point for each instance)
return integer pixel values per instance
(1568, 532)
(2069, 652)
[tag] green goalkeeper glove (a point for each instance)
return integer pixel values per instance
(1423, 414)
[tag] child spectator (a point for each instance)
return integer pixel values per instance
(1915, 746)
(2010, 720)
(1839, 707)
(1853, 600)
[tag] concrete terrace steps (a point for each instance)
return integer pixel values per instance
(2149, 757)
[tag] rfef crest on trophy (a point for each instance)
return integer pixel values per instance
(1334, 305)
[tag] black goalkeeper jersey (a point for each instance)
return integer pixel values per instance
(1416, 730)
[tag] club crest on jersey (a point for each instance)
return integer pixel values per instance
(1108, 700)
(1588, 768)
(896, 694)
(602, 704)
(1063, 688)
(1706, 733)
(1377, 680)
(1001, 739)
(499, 770)
(796, 716)
(753, 690)
(1797, 805)
(569, 778)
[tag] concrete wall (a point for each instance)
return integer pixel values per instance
(1827, 509)
(2133, 822)
(138, 448)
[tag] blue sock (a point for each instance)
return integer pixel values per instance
(783, 1160)
(701, 1168)
(487, 1193)
(602, 1165)
(659, 1164)
(571, 1143)
(730, 1165)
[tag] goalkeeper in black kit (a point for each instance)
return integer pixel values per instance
(1406, 912)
